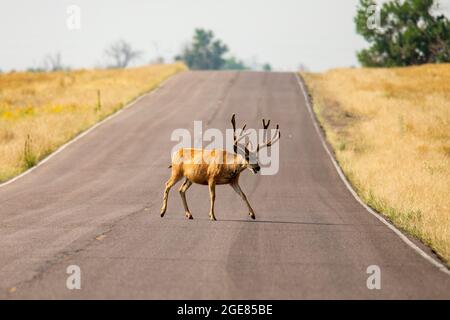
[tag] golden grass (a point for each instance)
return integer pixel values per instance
(390, 130)
(41, 111)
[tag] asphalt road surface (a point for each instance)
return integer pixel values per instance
(96, 205)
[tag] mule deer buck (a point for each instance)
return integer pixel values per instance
(216, 167)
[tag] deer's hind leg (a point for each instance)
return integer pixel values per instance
(212, 196)
(186, 184)
(174, 178)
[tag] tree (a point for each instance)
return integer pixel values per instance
(267, 67)
(234, 64)
(122, 54)
(50, 62)
(53, 62)
(408, 34)
(205, 52)
(159, 59)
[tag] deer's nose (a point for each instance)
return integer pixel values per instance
(257, 168)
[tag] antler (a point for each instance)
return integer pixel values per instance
(236, 138)
(274, 139)
(269, 143)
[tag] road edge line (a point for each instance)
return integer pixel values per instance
(341, 174)
(87, 131)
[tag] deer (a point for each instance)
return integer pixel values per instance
(213, 167)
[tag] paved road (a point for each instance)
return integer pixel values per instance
(96, 205)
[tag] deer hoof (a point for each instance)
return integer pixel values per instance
(163, 212)
(212, 218)
(252, 215)
(189, 216)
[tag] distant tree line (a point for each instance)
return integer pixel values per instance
(205, 52)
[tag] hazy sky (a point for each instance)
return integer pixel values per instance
(319, 34)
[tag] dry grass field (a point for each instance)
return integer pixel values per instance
(390, 130)
(41, 111)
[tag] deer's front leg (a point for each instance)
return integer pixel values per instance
(183, 190)
(212, 196)
(239, 191)
(169, 184)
